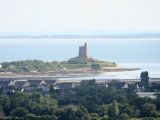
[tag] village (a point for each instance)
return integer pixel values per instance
(44, 85)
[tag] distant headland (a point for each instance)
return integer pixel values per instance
(82, 61)
(82, 64)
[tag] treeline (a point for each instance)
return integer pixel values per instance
(29, 66)
(41, 66)
(86, 102)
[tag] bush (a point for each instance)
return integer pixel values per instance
(19, 112)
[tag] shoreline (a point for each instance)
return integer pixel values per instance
(72, 73)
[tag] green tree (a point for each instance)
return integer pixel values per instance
(86, 117)
(126, 108)
(73, 113)
(4, 101)
(103, 110)
(148, 110)
(158, 101)
(30, 117)
(113, 110)
(19, 112)
(1, 112)
(124, 116)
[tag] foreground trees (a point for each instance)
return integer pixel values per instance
(87, 102)
(113, 110)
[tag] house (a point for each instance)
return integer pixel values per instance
(7, 86)
(21, 85)
(88, 82)
(4, 83)
(66, 84)
(102, 84)
(51, 82)
(9, 89)
(37, 85)
(139, 87)
(29, 86)
(125, 86)
(122, 84)
(19, 89)
(118, 84)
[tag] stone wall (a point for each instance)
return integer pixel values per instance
(83, 51)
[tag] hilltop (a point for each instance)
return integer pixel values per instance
(41, 66)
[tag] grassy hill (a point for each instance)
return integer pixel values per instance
(41, 66)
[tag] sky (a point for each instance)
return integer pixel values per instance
(19, 17)
(30, 16)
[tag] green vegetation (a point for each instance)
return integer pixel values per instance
(86, 102)
(41, 66)
(87, 62)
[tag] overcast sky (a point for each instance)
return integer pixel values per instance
(79, 15)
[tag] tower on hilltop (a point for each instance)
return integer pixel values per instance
(83, 51)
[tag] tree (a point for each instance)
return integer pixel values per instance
(4, 101)
(30, 117)
(148, 110)
(73, 113)
(158, 101)
(86, 117)
(126, 108)
(124, 116)
(103, 110)
(113, 110)
(144, 78)
(19, 112)
(1, 112)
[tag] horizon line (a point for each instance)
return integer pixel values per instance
(82, 36)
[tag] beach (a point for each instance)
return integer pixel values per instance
(128, 71)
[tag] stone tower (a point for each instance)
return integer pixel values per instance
(83, 51)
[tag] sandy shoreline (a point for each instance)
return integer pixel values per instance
(66, 73)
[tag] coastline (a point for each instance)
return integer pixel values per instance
(71, 73)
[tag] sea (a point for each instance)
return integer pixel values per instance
(152, 68)
(131, 53)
